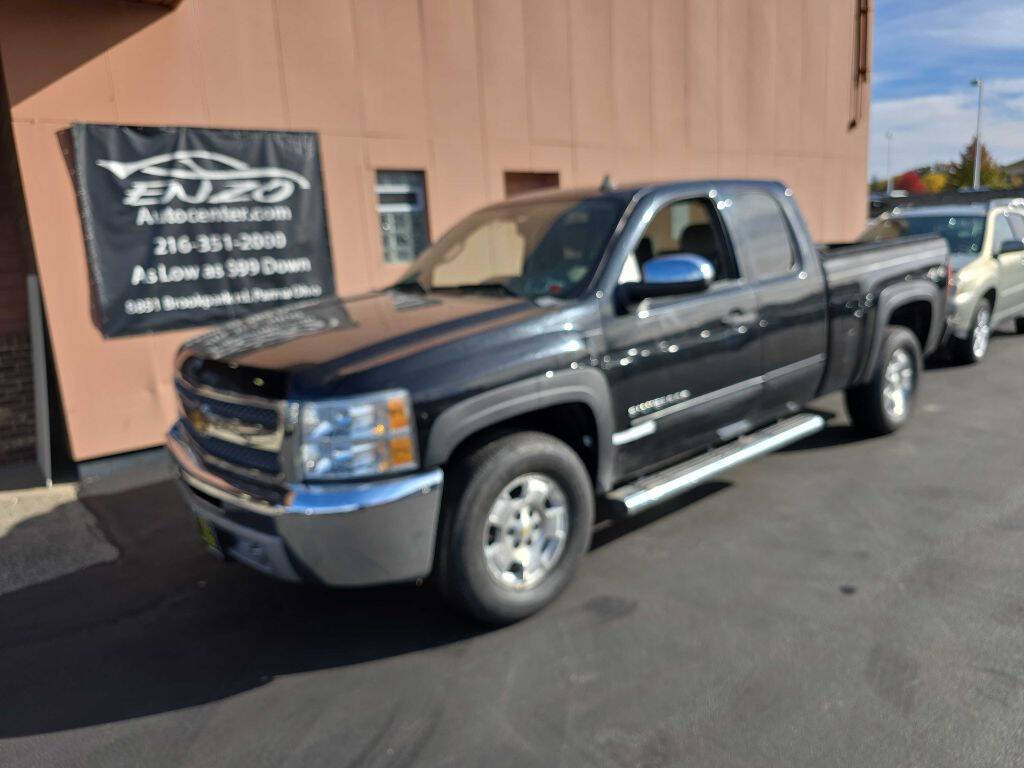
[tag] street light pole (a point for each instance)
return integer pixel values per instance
(888, 163)
(977, 136)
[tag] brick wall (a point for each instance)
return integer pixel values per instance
(17, 422)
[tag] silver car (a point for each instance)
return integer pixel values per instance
(986, 241)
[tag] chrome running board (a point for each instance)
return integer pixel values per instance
(645, 492)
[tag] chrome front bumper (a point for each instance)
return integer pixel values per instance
(341, 534)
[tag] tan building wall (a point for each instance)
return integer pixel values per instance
(464, 90)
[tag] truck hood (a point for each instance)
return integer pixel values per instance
(310, 346)
(329, 330)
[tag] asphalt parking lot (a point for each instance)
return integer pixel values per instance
(845, 602)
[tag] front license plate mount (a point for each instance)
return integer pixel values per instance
(208, 535)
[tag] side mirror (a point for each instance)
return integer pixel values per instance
(671, 275)
(1009, 246)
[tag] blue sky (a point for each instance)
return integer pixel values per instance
(926, 52)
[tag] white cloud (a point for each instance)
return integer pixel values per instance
(1006, 85)
(997, 26)
(982, 25)
(934, 128)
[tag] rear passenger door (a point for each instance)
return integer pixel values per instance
(771, 242)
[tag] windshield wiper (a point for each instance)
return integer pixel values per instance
(470, 287)
(406, 285)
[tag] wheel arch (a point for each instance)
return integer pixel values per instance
(991, 294)
(917, 306)
(572, 406)
(915, 315)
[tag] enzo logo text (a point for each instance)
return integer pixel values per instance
(198, 177)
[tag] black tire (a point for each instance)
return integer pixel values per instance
(1019, 322)
(462, 571)
(866, 404)
(963, 350)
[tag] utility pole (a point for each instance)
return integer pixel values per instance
(888, 163)
(977, 136)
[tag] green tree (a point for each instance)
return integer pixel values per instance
(961, 173)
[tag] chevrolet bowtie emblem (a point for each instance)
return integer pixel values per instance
(197, 419)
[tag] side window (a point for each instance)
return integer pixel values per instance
(1017, 225)
(763, 235)
(683, 226)
(1001, 232)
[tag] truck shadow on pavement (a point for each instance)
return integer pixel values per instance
(608, 529)
(167, 626)
(943, 358)
(831, 436)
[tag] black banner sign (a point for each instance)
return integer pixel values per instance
(190, 226)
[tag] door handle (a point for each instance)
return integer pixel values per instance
(738, 319)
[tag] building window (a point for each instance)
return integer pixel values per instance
(402, 208)
(521, 182)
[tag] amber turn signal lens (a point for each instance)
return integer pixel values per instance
(398, 415)
(401, 451)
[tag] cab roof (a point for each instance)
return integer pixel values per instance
(626, 192)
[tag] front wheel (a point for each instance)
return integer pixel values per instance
(518, 518)
(973, 348)
(1019, 322)
(885, 403)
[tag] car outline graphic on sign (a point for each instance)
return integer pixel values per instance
(236, 168)
(238, 182)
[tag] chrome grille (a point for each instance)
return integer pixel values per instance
(264, 416)
(238, 455)
(239, 433)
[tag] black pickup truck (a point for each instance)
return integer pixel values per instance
(549, 357)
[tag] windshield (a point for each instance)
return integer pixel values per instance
(963, 233)
(532, 249)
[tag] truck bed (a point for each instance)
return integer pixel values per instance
(859, 277)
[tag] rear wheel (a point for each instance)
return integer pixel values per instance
(518, 518)
(1019, 322)
(973, 348)
(884, 404)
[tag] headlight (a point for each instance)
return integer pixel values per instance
(356, 437)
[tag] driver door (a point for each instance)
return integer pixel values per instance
(684, 370)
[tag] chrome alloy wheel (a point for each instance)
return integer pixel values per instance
(898, 384)
(982, 333)
(526, 531)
